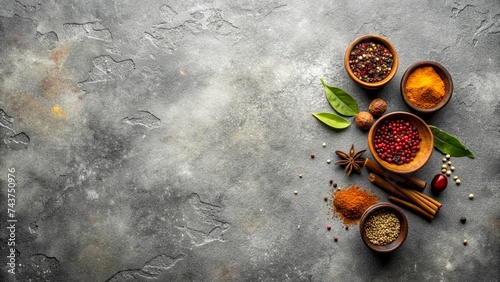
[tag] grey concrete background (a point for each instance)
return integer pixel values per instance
(162, 140)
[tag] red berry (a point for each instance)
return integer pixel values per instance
(328, 227)
(312, 156)
(335, 239)
(397, 141)
(439, 183)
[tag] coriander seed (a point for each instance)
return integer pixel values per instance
(328, 161)
(443, 170)
(452, 168)
(449, 162)
(471, 196)
(448, 172)
(448, 156)
(455, 177)
(444, 166)
(465, 242)
(457, 181)
(382, 227)
(324, 144)
(295, 192)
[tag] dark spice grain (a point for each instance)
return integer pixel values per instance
(371, 61)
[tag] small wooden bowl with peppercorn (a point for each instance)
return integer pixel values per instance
(371, 61)
(383, 227)
(426, 87)
(401, 142)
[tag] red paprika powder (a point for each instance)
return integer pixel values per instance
(350, 204)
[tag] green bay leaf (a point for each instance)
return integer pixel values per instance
(340, 100)
(449, 144)
(332, 120)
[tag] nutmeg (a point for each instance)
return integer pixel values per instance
(364, 120)
(377, 107)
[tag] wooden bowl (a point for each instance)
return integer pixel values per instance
(403, 232)
(371, 38)
(426, 143)
(445, 76)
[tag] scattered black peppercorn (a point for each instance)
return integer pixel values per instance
(334, 185)
(463, 219)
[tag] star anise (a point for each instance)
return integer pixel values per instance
(351, 161)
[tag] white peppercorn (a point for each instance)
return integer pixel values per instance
(382, 227)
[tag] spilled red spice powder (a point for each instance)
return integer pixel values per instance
(350, 204)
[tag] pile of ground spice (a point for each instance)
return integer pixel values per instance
(425, 88)
(350, 204)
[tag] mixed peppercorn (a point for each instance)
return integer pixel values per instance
(371, 61)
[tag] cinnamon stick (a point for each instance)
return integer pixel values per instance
(434, 204)
(424, 200)
(386, 186)
(411, 207)
(409, 181)
(416, 200)
(434, 201)
(415, 183)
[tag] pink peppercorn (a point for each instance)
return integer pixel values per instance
(397, 141)
(328, 227)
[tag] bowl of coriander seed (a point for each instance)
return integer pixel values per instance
(383, 227)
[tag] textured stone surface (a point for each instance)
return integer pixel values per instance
(162, 140)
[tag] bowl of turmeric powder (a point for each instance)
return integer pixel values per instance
(426, 87)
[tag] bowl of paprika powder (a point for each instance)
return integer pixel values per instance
(426, 87)
(371, 61)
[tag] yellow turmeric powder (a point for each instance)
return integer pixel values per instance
(425, 88)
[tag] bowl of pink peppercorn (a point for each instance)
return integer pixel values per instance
(371, 61)
(401, 142)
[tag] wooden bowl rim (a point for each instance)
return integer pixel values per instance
(403, 229)
(404, 169)
(388, 44)
(442, 72)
